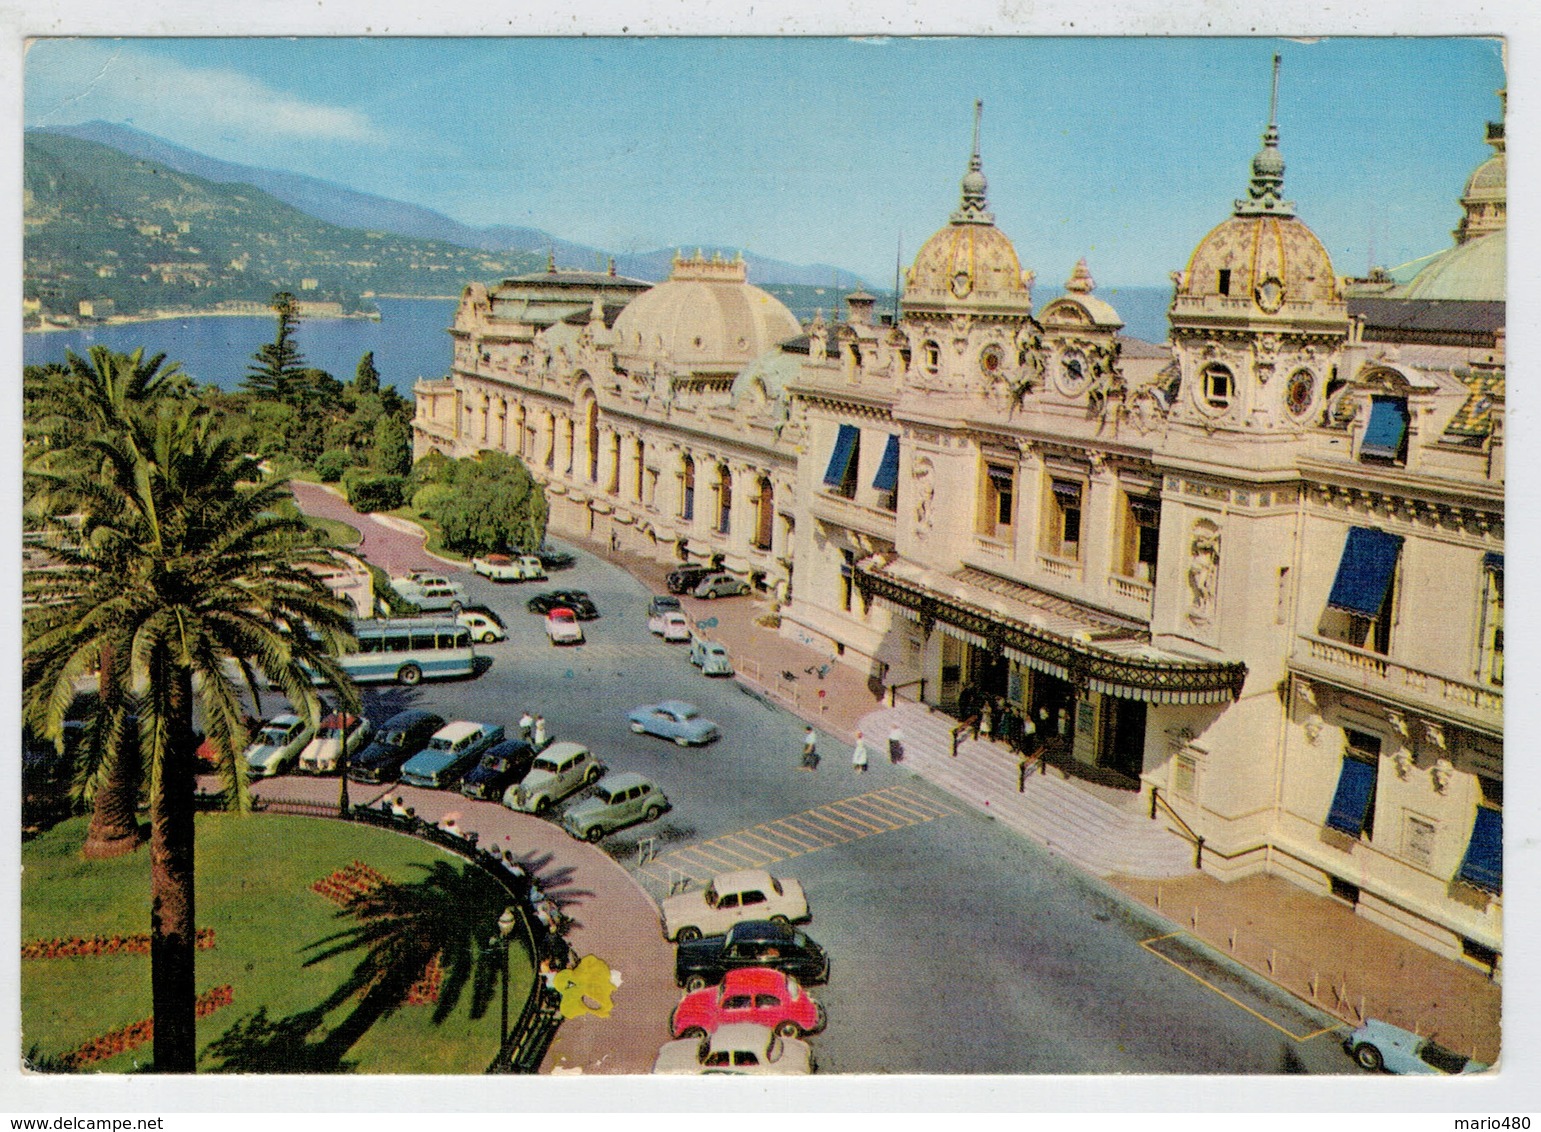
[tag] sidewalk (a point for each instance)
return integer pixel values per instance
(1312, 946)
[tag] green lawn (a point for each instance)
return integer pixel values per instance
(254, 878)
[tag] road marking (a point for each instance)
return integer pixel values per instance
(1174, 941)
(835, 823)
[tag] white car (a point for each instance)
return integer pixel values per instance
(483, 628)
(563, 628)
(430, 592)
(277, 745)
(671, 627)
(751, 894)
(738, 1047)
(339, 731)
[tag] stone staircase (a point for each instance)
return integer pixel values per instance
(1105, 831)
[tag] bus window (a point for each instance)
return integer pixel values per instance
(421, 639)
(370, 644)
(446, 639)
(398, 642)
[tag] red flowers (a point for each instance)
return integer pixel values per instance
(425, 992)
(140, 1033)
(344, 885)
(77, 946)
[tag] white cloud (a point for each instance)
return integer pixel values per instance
(76, 80)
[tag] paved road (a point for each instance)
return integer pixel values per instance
(957, 946)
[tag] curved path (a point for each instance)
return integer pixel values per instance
(386, 544)
(613, 918)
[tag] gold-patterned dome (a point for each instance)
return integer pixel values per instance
(1271, 260)
(970, 262)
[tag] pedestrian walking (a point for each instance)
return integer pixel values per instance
(859, 755)
(526, 722)
(895, 744)
(810, 751)
(540, 732)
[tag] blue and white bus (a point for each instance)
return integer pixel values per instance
(409, 651)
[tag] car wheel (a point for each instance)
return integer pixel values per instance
(595, 833)
(1369, 1058)
(782, 920)
(695, 983)
(592, 776)
(638, 728)
(542, 806)
(820, 1019)
(410, 675)
(789, 1029)
(695, 1033)
(687, 935)
(489, 638)
(652, 814)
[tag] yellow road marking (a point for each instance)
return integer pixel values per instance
(840, 809)
(1146, 944)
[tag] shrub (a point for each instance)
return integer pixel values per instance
(428, 499)
(332, 463)
(368, 491)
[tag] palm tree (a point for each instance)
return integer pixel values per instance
(184, 568)
(66, 405)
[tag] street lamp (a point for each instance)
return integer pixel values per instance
(506, 924)
(342, 790)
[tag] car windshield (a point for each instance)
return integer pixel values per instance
(438, 743)
(776, 886)
(273, 737)
(331, 733)
(496, 765)
(393, 739)
(800, 939)
(687, 713)
(610, 797)
(543, 764)
(710, 895)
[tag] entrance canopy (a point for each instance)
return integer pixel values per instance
(1088, 647)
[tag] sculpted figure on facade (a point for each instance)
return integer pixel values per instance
(1203, 571)
(925, 494)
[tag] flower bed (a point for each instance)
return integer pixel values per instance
(425, 992)
(140, 1033)
(77, 946)
(344, 885)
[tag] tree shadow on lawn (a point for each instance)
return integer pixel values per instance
(451, 913)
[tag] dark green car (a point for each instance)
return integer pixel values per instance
(619, 800)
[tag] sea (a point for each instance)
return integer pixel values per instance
(410, 340)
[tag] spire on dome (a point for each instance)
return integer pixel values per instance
(1080, 281)
(973, 209)
(1265, 195)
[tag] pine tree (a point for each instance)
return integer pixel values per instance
(276, 373)
(366, 379)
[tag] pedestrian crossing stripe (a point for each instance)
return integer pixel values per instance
(797, 835)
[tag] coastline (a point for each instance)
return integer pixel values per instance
(177, 316)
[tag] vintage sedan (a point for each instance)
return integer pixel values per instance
(399, 738)
(341, 734)
(761, 995)
(721, 584)
(672, 627)
(561, 769)
(754, 943)
(575, 600)
(485, 627)
(749, 894)
(498, 568)
(657, 606)
(1378, 1045)
(500, 767)
(714, 660)
(684, 579)
(277, 745)
(450, 753)
(675, 720)
(563, 628)
(738, 1048)
(619, 800)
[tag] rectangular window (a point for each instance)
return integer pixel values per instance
(1142, 537)
(1353, 803)
(847, 578)
(998, 506)
(1385, 437)
(840, 475)
(1224, 282)
(1491, 661)
(1483, 865)
(1418, 836)
(886, 482)
(1362, 601)
(1062, 531)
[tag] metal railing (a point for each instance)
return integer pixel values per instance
(895, 689)
(972, 722)
(1198, 840)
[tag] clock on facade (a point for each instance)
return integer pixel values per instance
(1073, 375)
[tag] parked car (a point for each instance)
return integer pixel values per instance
(1378, 1045)
(208, 756)
(619, 800)
(749, 894)
(738, 1048)
(483, 628)
(499, 768)
(563, 628)
(662, 603)
(684, 579)
(340, 734)
(672, 627)
(761, 995)
(675, 720)
(399, 738)
(430, 592)
(554, 559)
(721, 585)
(575, 600)
(276, 747)
(561, 769)
(706, 962)
(509, 567)
(450, 753)
(714, 660)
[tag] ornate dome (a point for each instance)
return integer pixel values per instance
(971, 262)
(1474, 271)
(705, 317)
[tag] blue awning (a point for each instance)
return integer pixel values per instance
(840, 458)
(1364, 572)
(1351, 803)
(1387, 428)
(1484, 863)
(887, 478)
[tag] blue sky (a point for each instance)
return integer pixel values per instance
(828, 150)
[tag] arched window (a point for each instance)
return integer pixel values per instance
(765, 513)
(933, 356)
(724, 499)
(688, 490)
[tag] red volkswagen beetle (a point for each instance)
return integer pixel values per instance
(750, 994)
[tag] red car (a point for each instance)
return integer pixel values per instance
(750, 994)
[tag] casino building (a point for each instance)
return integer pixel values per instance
(1256, 570)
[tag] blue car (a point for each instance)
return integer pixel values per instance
(500, 768)
(672, 719)
(450, 753)
(1378, 1045)
(399, 738)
